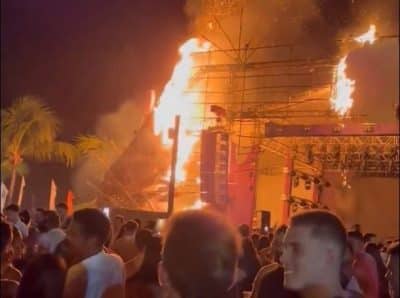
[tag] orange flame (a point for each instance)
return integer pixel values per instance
(367, 37)
(175, 100)
(341, 99)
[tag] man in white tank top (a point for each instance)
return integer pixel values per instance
(98, 274)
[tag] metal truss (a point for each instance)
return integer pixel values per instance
(366, 156)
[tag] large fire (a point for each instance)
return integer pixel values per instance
(175, 100)
(341, 99)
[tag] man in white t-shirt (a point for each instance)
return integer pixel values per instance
(49, 240)
(98, 274)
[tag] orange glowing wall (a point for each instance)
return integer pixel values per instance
(372, 202)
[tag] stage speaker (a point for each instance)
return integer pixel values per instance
(214, 157)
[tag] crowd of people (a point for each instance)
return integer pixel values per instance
(198, 254)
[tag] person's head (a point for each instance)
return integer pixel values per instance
(151, 224)
(263, 242)
(12, 213)
(25, 217)
(52, 220)
(62, 210)
(130, 228)
(200, 254)
(255, 237)
(6, 238)
(369, 237)
(18, 244)
(356, 228)
(356, 241)
(392, 273)
(88, 232)
(277, 242)
(244, 230)
(151, 259)
(314, 247)
(43, 277)
(38, 216)
(142, 239)
(118, 221)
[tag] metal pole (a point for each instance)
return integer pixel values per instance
(287, 188)
(171, 187)
(315, 193)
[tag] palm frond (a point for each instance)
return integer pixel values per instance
(28, 121)
(87, 144)
(6, 169)
(57, 151)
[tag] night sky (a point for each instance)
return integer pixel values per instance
(85, 58)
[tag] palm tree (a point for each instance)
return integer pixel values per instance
(29, 131)
(102, 150)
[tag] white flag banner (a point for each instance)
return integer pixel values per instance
(4, 192)
(53, 193)
(21, 191)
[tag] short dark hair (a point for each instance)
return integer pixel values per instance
(62, 205)
(93, 223)
(200, 253)
(356, 235)
(52, 219)
(324, 225)
(368, 236)
(5, 235)
(12, 207)
(281, 229)
(244, 230)
(25, 216)
(131, 226)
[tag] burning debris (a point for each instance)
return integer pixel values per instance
(341, 99)
(368, 37)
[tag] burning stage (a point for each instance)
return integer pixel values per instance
(261, 130)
